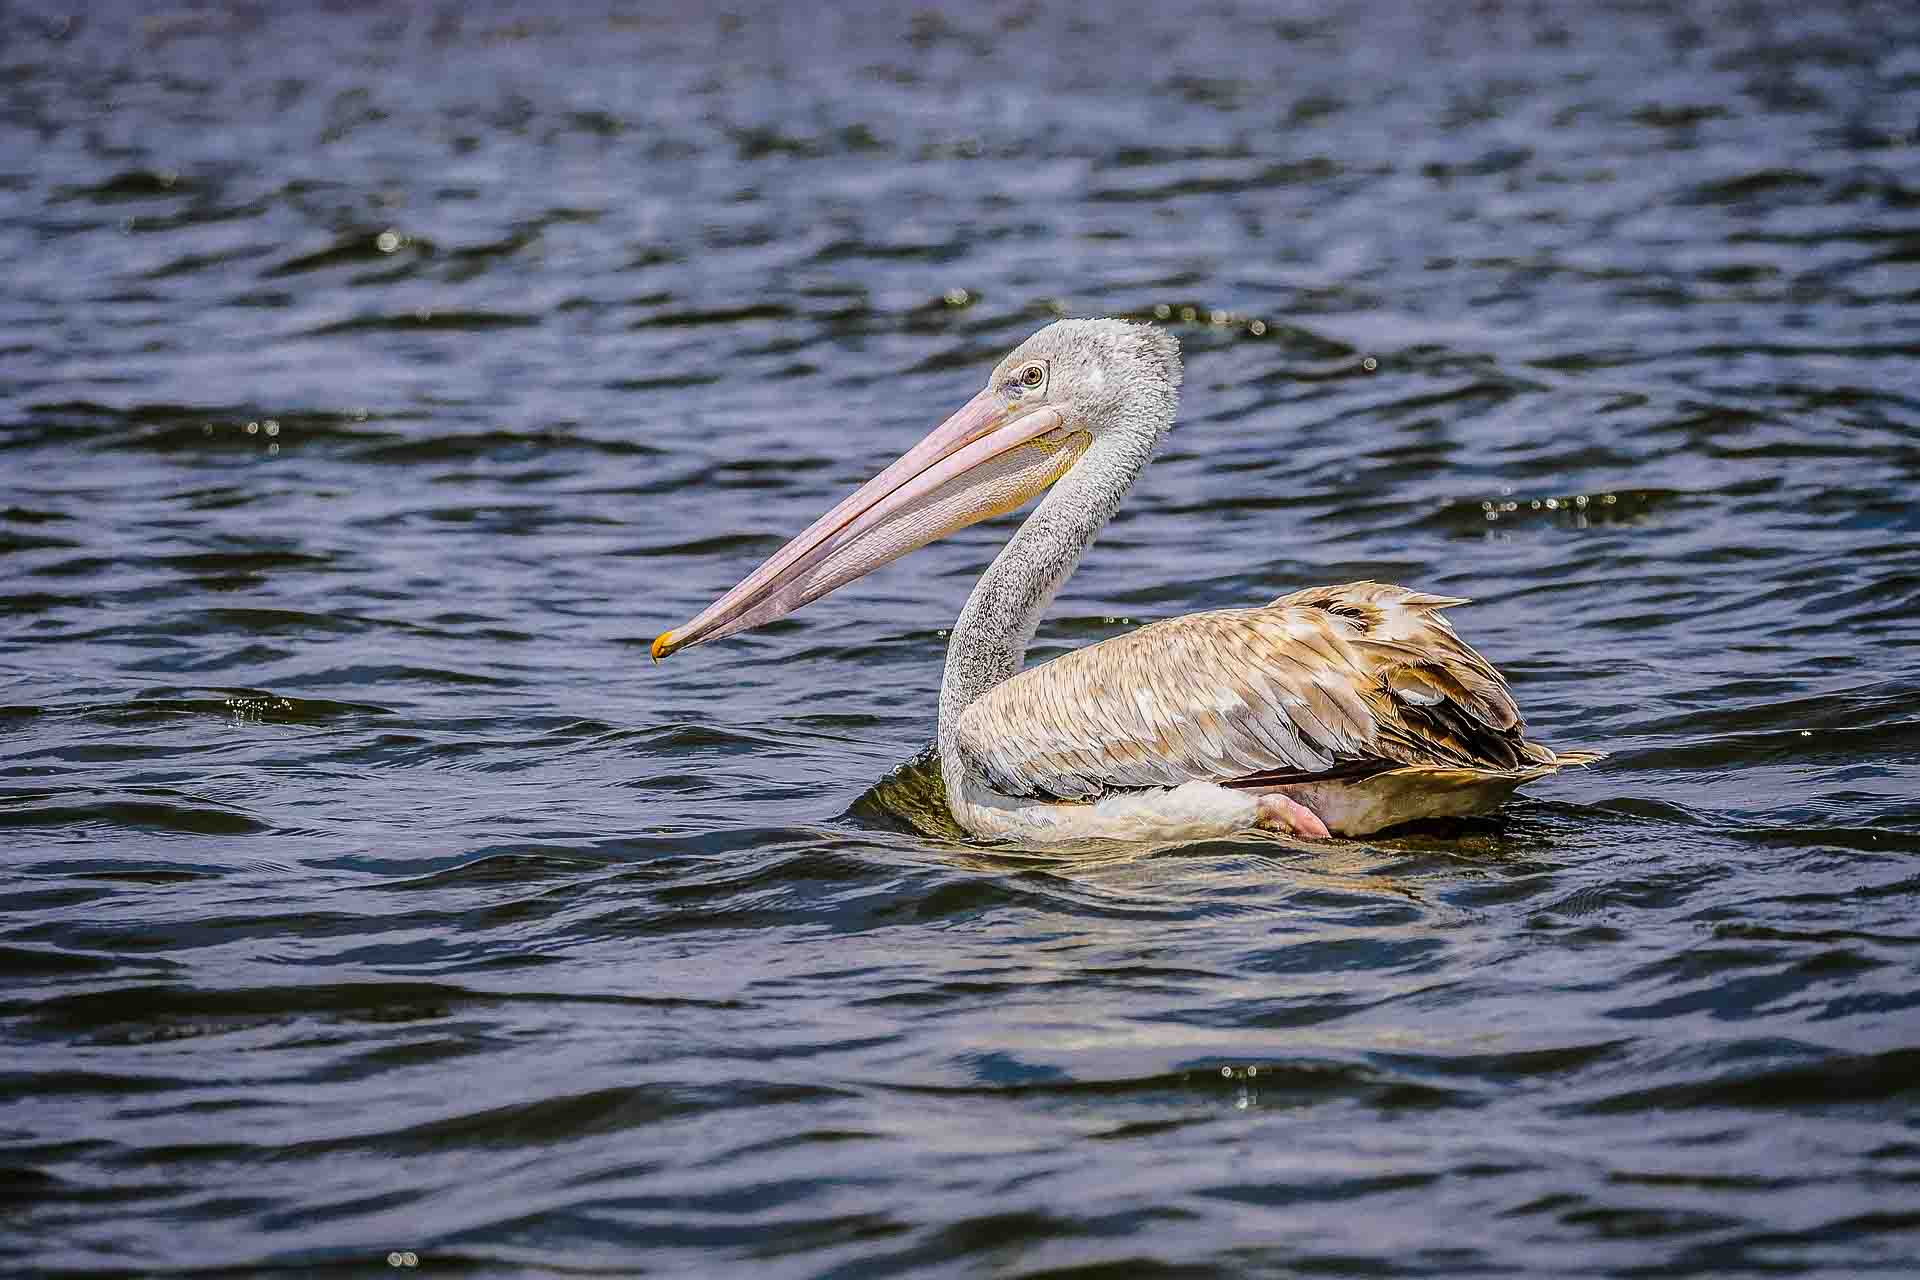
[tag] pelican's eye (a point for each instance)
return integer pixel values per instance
(1032, 376)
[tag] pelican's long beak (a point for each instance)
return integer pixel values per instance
(988, 458)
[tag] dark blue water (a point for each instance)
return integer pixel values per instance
(375, 383)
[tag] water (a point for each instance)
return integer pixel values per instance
(375, 384)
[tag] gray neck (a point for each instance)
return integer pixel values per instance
(990, 639)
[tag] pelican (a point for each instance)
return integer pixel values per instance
(1335, 710)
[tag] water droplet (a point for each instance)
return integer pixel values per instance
(1493, 515)
(1486, 506)
(253, 428)
(1161, 310)
(958, 297)
(1189, 315)
(273, 428)
(1257, 328)
(1553, 504)
(387, 241)
(273, 449)
(1226, 1073)
(1369, 364)
(1218, 317)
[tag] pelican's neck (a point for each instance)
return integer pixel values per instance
(990, 639)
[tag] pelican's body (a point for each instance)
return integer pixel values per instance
(1334, 710)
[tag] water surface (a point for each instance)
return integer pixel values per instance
(375, 384)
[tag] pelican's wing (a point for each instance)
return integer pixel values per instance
(1328, 681)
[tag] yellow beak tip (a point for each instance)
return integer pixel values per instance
(662, 645)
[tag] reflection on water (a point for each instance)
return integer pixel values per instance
(378, 383)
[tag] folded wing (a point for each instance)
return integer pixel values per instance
(1327, 682)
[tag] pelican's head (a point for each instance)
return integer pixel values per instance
(1074, 382)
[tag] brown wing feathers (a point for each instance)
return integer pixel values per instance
(1437, 701)
(1347, 680)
